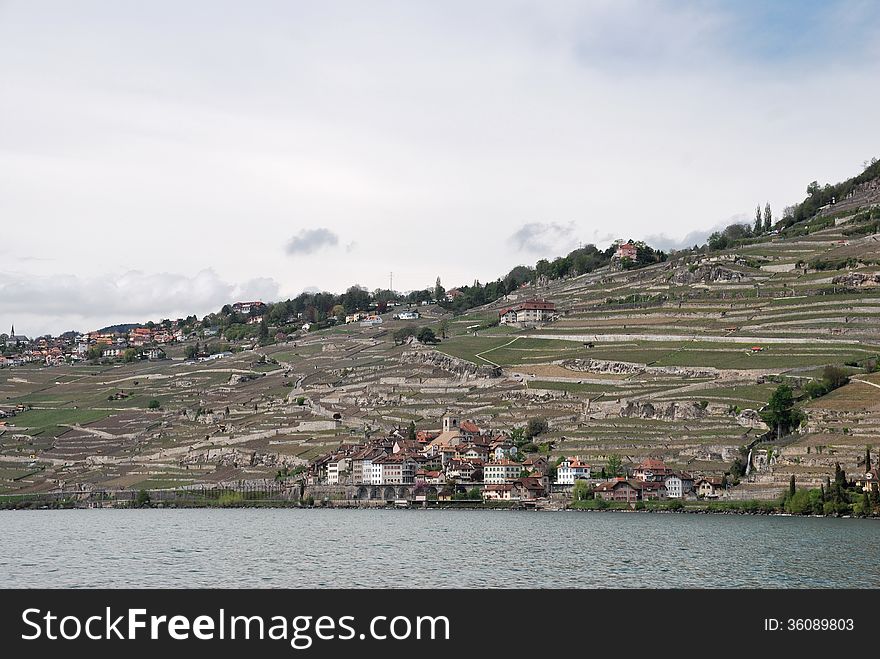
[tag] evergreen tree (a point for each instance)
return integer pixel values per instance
(792, 489)
(411, 432)
(768, 218)
(758, 223)
(867, 459)
(439, 291)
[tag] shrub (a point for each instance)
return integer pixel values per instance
(154, 404)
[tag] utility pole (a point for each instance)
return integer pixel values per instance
(391, 281)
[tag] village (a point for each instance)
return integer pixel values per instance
(464, 462)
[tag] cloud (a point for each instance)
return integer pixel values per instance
(309, 241)
(48, 304)
(543, 238)
(698, 237)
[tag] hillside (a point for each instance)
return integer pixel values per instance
(671, 360)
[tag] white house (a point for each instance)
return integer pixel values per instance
(532, 311)
(335, 468)
(570, 470)
(677, 485)
(503, 471)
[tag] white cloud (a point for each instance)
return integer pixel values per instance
(72, 302)
(423, 133)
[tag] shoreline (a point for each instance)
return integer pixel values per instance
(711, 508)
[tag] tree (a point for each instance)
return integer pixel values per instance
(581, 491)
(768, 218)
(263, 333)
(411, 431)
(444, 328)
(94, 352)
(536, 426)
(792, 488)
(439, 291)
(834, 377)
(154, 404)
(781, 413)
(614, 466)
(758, 222)
(403, 333)
(867, 459)
(191, 352)
(143, 499)
(813, 188)
(130, 355)
(426, 335)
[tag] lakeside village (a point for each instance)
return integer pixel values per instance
(462, 463)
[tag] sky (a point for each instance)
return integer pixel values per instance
(164, 158)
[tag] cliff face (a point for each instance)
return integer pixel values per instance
(460, 368)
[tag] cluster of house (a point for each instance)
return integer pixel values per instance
(462, 456)
(653, 480)
(74, 346)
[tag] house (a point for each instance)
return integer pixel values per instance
(502, 471)
(371, 320)
(246, 307)
(502, 449)
(394, 469)
(409, 315)
(620, 490)
(570, 470)
(336, 467)
(469, 429)
(354, 317)
(626, 251)
(531, 311)
(498, 492)
(870, 482)
(113, 351)
(453, 294)
(362, 464)
(678, 485)
(408, 446)
(651, 470)
(152, 353)
(430, 477)
(537, 465)
(464, 471)
(653, 490)
(529, 488)
(710, 488)
(474, 452)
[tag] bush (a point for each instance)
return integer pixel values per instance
(154, 404)
(675, 504)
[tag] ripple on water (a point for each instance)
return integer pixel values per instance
(372, 549)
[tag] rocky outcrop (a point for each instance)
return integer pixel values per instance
(632, 368)
(750, 419)
(460, 368)
(707, 273)
(665, 411)
(856, 279)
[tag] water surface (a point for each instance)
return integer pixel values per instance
(293, 548)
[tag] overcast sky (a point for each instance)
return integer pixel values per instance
(162, 158)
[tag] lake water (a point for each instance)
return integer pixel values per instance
(431, 549)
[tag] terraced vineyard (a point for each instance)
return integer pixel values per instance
(670, 361)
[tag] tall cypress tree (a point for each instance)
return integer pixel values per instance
(791, 487)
